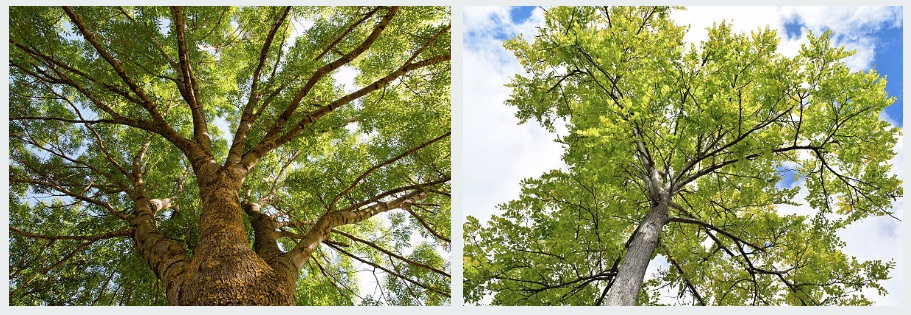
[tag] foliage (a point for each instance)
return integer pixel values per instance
(78, 123)
(719, 123)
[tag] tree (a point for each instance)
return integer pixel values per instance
(676, 150)
(214, 156)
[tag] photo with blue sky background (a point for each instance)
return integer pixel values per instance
(498, 151)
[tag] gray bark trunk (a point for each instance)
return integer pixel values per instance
(642, 246)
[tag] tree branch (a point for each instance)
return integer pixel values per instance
(714, 228)
(679, 181)
(427, 226)
(346, 32)
(158, 125)
(391, 254)
(679, 268)
(384, 163)
(95, 237)
(390, 272)
(247, 118)
(319, 74)
(321, 229)
(715, 166)
(269, 144)
(187, 85)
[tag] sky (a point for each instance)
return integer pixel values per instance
(499, 151)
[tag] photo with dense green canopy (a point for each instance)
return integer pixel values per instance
(676, 150)
(229, 155)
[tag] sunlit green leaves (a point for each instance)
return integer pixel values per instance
(722, 122)
(74, 132)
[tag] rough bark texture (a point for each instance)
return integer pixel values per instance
(224, 269)
(641, 246)
(167, 259)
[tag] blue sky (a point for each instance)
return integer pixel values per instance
(498, 151)
(520, 14)
(889, 63)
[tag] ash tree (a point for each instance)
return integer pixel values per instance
(217, 156)
(676, 150)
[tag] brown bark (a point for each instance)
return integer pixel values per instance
(225, 270)
(167, 259)
(321, 229)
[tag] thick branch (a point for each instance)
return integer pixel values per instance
(320, 73)
(679, 180)
(52, 62)
(93, 40)
(158, 125)
(426, 44)
(264, 234)
(321, 229)
(167, 259)
(269, 144)
(421, 186)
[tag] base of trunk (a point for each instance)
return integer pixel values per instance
(237, 280)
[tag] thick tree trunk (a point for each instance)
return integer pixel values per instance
(641, 247)
(225, 270)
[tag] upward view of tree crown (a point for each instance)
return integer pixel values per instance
(677, 150)
(217, 156)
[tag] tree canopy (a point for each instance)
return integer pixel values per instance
(677, 150)
(159, 152)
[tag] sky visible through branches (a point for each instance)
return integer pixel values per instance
(501, 152)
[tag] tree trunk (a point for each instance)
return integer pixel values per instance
(225, 270)
(641, 247)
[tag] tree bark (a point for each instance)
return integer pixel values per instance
(225, 270)
(642, 245)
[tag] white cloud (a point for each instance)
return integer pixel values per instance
(742, 19)
(485, 19)
(881, 238)
(852, 26)
(499, 153)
